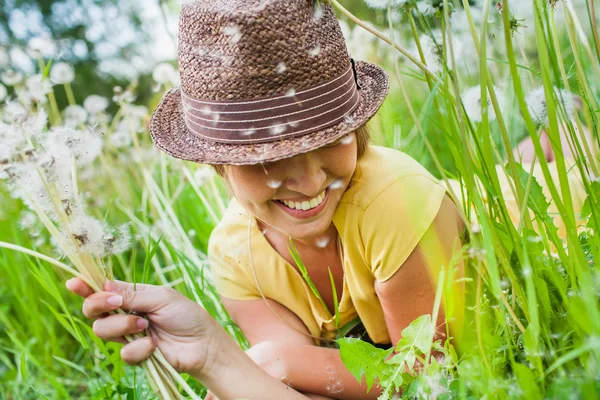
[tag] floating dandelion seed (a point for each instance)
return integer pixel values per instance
(215, 118)
(318, 12)
(277, 129)
(274, 184)
(314, 51)
(536, 104)
(337, 184)
(281, 68)
(293, 124)
(95, 104)
(191, 233)
(322, 242)
(206, 110)
(349, 119)
(62, 73)
(234, 32)
(11, 77)
(290, 93)
(249, 132)
(264, 231)
(347, 139)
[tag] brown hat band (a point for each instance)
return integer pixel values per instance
(266, 120)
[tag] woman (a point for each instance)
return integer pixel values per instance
(271, 98)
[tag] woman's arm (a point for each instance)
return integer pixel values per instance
(234, 375)
(410, 292)
(311, 369)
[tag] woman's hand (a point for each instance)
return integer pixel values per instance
(183, 331)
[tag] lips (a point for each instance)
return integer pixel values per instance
(302, 214)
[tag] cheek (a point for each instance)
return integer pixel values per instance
(250, 186)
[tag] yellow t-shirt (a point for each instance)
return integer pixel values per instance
(390, 203)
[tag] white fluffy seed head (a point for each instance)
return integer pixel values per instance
(62, 73)
(75, 115)
(473, 104)
(165, 73)
(537, 105)
(95, 104)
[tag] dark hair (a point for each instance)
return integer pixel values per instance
(363, 138)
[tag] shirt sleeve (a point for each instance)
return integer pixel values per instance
(230, 278)
(396, 220)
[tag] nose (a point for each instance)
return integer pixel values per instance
(305, 174)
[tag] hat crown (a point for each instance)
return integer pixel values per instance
(233, 50)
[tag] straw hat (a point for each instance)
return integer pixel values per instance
(263, 80)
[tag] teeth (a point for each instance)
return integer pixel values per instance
(307, 204)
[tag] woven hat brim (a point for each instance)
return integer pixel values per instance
(171, 135)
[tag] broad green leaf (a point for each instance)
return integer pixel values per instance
(362, 358)
(526, 379)
(418, 334)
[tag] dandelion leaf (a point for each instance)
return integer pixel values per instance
(362, 358)
(526, 379)
(536, 200)
(591, 206)
(418, 334)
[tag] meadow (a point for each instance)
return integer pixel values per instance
(84, 192)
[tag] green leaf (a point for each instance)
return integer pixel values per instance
(296, 256)
(336, 307)
(526, 379)
(418, 334)
(362, 358)
(70, 364)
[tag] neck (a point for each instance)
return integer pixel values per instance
(326, 241)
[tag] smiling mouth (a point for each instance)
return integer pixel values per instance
(306, 204)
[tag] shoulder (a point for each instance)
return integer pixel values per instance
(230, 233)
(384, 172)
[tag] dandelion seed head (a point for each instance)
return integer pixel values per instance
(95, 104)
(314, 51)
(88, 234)
(378, 4)
(165, 73)
(41, 46)
(274, 184)
(203, 175)
(537, 106)
(11, 77)
(74, 115)
(117, 241)
(277, 129)
(473, 104)
(233, 31)
(62, 73)
(120, 139)
(337, 184)
(27, 220)
(37, 89)
(281, 68)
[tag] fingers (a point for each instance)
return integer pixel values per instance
(120, 286)
(116, 326)
(138, 350)
(79, 287)
(98, 304)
